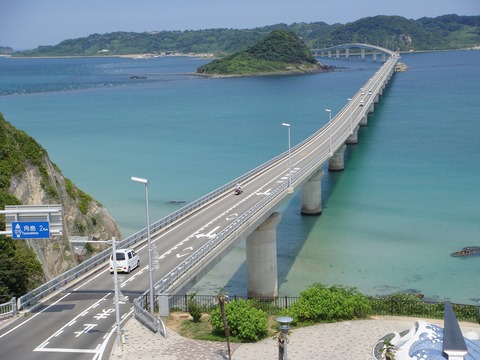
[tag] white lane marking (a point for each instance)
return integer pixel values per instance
(34, 316)
(68, 324)
(266, 192)
(64, 350)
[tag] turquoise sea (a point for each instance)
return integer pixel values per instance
(408, 197)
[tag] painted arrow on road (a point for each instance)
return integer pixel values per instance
(210, 235)
(185, 254)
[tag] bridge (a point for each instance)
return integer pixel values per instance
(209, 228)
(190, 242)
(375, 50)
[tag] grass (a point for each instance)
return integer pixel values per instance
(182, 323)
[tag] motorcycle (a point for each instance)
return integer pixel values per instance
(238, 191)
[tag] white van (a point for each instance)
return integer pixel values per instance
(127, 260)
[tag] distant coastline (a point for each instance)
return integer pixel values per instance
(127, 56)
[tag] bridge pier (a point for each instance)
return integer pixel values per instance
(375, 55)
(364, 120)
(262, 259)
(371, 108)
(362, 54)
(337, 54)
(353, 138)
(337, 161)
(347, 53)
(312, 195)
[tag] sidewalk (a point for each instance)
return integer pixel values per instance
(342, 340)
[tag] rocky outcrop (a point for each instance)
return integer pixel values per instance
(401, 67)
(35, 180)
(57, 254)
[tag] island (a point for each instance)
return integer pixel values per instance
(280, 52)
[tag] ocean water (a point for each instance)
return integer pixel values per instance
(408, 197)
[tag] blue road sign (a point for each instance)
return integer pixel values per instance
(31, 230)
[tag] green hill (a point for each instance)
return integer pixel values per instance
(392, 32)
(279, 52)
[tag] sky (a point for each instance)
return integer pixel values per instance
(26, 24)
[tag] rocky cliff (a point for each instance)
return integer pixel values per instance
(27, 173)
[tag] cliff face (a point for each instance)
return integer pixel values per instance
(35, 180)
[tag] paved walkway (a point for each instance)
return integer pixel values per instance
(343, 340)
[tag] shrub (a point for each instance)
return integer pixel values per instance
(194, 309)
(246, 323)
(321, 304)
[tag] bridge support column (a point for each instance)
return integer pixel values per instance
(337, 161)
(337, 54)
(347, 53)
(312, 195)
(262, 259)
(384, 57)
(371, 108)
(364, 120)
(362, 54)
(329, 53)
(353, 138)
(375, 55)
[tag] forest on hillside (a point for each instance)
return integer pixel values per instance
(392, 32)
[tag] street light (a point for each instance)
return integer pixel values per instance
(284, 322)
(150, 268)
(329, 130)
(289, 160)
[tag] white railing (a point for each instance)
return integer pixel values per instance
(8, 309)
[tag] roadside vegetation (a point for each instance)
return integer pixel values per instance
(250, 320)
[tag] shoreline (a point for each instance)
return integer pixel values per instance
(192, 55)
(127, 56)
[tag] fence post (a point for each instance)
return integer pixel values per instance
(14, 306)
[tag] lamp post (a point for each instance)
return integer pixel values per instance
(284, 322)
(329, 130)
(150, 268)
(289, 159)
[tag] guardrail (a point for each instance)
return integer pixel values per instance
(9, 308)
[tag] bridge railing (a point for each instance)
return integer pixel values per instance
(8, 309)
